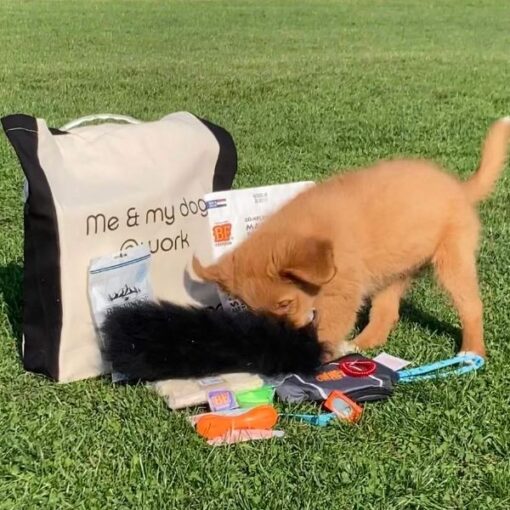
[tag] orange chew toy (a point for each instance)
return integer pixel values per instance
(215, 425)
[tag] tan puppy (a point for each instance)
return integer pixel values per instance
(364, 235)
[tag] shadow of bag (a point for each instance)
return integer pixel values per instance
(95, 189)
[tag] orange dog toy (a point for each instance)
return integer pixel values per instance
(215, 425)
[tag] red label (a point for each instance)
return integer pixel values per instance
(222, 232)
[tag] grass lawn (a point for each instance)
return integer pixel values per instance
(304, 87)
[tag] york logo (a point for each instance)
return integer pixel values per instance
(222, 233)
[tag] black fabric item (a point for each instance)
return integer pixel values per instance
(329, 377)
(42, 307)
(226, 165)
(150, 341)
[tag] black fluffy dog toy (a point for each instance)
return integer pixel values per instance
(149, 341)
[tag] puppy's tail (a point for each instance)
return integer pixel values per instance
(494, 154)
(150, 341)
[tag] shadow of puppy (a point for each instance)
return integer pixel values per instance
(410, 313)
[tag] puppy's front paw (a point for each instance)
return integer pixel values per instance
(337, 350)
(343, 348)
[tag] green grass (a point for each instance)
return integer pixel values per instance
(304, 87)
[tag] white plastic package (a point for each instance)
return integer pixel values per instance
(117, 279)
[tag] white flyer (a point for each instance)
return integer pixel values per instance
(235, 214)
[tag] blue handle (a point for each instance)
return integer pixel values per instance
(320, 420)
(466, 363)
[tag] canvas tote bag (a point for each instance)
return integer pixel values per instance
(96, 189)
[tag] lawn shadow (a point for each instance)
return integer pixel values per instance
(410, 313)
(11, 290)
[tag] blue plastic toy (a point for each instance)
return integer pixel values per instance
(464, 363)
(320, 420)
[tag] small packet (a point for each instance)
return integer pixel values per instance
(221, 400)
(391, 361)
(118, 279)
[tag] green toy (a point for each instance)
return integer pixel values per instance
(252, 398)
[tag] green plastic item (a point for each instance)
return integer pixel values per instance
(251, 398)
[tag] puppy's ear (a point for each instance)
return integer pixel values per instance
(221, 273)
(309, 260)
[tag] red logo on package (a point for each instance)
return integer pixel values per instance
(222, 233)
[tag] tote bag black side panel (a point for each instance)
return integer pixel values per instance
(226, 165)
(42, 306)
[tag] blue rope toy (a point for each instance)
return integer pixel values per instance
(465, 363)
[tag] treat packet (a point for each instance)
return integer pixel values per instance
(115, 280)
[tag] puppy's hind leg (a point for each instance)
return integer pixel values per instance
(455, 267)
(384, 314)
